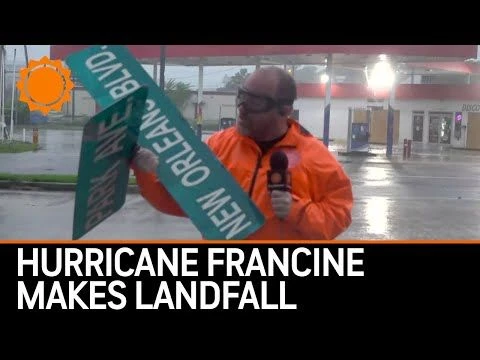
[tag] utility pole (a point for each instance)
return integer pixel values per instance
(13, 94)
(2, 90)
(163, 55)
(328, 94)
(26, 54)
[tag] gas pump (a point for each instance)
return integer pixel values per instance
(358, 134)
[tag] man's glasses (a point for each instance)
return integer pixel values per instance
(255, 103)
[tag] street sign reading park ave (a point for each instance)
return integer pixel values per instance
(108, 142)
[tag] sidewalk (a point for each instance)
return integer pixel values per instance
(420, 153)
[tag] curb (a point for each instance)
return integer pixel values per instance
(48, 186)
(356, 154)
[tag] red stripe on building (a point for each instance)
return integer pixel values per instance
(454, 66)
(469, 92)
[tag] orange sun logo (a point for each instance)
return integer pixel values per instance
(45, 85)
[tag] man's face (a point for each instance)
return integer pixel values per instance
(258, 111)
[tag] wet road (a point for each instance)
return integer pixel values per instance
(59, 153)
(417, 200)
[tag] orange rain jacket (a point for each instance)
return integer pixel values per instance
(322, 197)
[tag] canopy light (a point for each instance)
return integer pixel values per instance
(381, 77)
(324, 78)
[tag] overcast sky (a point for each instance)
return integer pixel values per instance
(213, 76)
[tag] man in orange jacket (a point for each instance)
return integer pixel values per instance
(320, 202)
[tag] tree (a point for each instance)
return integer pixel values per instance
(234, 82)
(179, 92)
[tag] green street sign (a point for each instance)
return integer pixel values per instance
(210, 196)
(107, 145)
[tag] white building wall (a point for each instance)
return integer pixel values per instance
(311, 116)
(407, 107)
(215, 106)
(311, 112)
(84, 104)
(189, 111)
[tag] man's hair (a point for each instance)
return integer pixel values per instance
(286, 87)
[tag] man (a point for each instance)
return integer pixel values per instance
(320, 203)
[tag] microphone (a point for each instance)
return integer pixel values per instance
(279, 177)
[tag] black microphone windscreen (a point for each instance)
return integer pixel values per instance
(279, 161)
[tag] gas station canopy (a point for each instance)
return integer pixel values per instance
(439, 58)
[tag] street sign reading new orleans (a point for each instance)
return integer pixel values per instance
(104, 169)
(203, 188)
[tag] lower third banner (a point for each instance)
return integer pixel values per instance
(355, 279)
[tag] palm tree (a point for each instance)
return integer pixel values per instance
(178, 92)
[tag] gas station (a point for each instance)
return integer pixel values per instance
(432, 196)
(385, 73)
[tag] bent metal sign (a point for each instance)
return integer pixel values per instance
(471, 107)
(204, 189)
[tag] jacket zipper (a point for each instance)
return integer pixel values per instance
(259, 163)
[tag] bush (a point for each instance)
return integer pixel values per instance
(21, 114)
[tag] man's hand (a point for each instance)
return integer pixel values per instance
(146, 160)
(281, 203)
